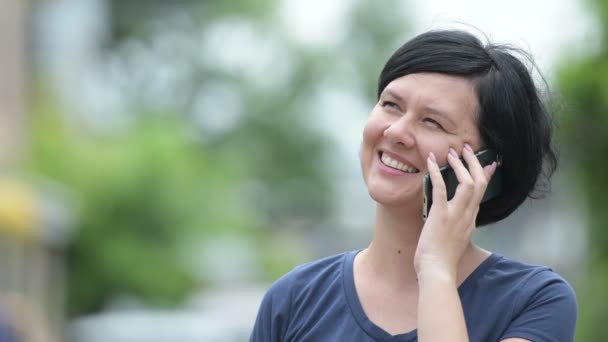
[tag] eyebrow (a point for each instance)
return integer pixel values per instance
(438, 112)
(427, 109)
(392, 93)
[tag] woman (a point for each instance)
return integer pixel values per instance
(442, 96)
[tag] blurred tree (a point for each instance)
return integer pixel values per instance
(217, 134)
(584, 86)
(139, 194)
(251, 90)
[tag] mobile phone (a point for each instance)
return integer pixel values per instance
(494, 188)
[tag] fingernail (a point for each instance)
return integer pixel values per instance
(453, 152)
(492, 168)
(468, 147)
(432, 157)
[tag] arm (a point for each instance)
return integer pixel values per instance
(440, 315)
(273, 316)
(444, 238)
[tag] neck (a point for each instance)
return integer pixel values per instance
(390, 255)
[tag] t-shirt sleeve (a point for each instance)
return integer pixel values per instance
(547, 310)
(273, 315)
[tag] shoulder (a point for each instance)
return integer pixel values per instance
(311, 274)
(515, 284)
(543, 304)
(309, 277)
(513, 299)
(287, 298)
(528, 278)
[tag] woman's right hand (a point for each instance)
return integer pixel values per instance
(450, 224)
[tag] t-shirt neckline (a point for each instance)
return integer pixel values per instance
(370, 327)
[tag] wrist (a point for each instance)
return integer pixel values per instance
(437, 277)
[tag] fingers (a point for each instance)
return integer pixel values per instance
(466, 184)
(479, 176)
(472, 182)
(489, 170)
(439, 192)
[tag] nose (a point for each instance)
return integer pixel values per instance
(401, 132)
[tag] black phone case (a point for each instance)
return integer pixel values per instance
(485, 157)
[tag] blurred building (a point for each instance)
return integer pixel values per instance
(31, 257)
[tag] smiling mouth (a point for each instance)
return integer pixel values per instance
(397, 165)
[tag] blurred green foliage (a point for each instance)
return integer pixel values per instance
(584, 124)
(156, 183)
(139, 193)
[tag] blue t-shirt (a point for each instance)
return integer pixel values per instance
(7, 334)
(502, 298)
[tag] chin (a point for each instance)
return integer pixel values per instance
(394, 199)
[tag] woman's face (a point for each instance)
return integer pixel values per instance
(416, 114)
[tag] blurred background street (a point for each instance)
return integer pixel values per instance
(163, 162)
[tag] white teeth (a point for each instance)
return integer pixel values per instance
(388, 161)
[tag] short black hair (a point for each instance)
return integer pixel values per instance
(512, 119)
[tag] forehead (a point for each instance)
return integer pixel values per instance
(453, 95)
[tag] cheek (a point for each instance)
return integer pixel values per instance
(369, 131)
(373, 129)
(372, 134)
(438, 146)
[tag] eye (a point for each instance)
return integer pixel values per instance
(389, 104)
(433, 123)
